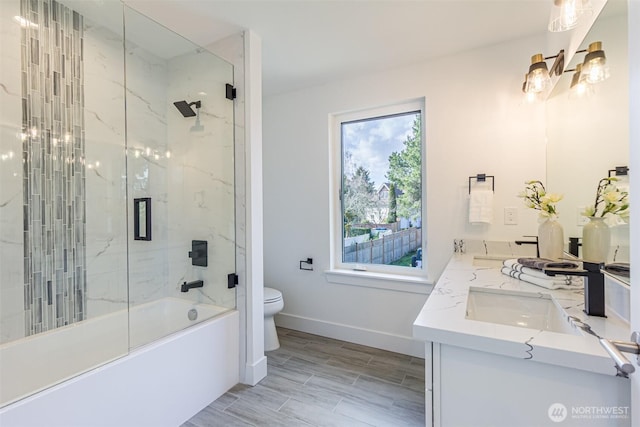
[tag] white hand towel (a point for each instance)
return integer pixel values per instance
(514, 265)
(545, 283)
(481, 206)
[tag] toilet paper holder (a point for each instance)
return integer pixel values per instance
(308, 261)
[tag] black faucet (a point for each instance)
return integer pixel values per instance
(593, 285)
(574, 244)
(195, 284)
(530, 242)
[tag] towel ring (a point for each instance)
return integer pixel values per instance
(619, 171)
(482, 178)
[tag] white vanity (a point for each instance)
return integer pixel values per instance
(484, 370)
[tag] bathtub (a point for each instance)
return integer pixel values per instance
(160, 318)
(176, 367)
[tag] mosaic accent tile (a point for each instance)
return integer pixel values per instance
(54, 171)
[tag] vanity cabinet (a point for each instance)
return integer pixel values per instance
(472, 388)
(494, 373)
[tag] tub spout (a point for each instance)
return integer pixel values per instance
(195, 284)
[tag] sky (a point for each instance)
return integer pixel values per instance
(372, 141)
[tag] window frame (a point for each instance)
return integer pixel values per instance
(336, 220)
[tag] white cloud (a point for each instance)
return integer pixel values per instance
(371, 142)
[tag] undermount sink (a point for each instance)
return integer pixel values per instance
(521, 309)
(488, 261)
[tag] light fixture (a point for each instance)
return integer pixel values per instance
(595, 66)
(538, 78)
(565, 14)
(579, 88)
(594, 69)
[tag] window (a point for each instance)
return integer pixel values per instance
(378, 178)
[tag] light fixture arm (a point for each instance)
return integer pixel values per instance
(558, 65)
(557, 69)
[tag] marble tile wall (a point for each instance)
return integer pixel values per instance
(147, 109)
(186, 166)
(106, 173)
(11, 198)
(201, 175)
(192, 189)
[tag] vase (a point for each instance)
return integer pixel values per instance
(550, 239)
(596, 239)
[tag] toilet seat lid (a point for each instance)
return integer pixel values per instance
(271, 295)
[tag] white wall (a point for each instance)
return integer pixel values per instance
(476, 122)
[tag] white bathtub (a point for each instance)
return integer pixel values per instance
(162, 383)
(160, 318)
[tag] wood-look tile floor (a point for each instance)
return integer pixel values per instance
(318, 381)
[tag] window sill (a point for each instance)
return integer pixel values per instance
(392, 282)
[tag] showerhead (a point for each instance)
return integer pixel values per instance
(185, 108)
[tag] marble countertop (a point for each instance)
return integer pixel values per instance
(443, 320)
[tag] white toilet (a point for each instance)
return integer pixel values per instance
(273, 304)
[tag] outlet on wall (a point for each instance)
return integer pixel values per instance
(510, 216)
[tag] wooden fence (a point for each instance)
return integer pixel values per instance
(384, 250)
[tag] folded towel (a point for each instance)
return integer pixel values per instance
(515, 265)
(519, 268)
(545, 283)
(619, 268)
(481, 206)
(542, 263)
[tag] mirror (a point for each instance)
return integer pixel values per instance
(142, 218)
(588, 136)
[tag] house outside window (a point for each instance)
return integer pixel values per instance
(378, 182)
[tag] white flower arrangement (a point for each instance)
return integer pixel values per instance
(536, 197)
(610, 200)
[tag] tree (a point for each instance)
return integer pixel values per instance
(405, 172)
(357, 197)
(393, 204)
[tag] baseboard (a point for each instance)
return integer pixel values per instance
(368, 337)
(256, 372)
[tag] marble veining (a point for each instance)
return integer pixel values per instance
(529, 351)
(7, 91)
(111, 127)
(9, 200)
(443, 320)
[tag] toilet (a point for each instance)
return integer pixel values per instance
(273, 304)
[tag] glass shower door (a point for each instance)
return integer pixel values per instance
(63, 252)
(180, 161)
